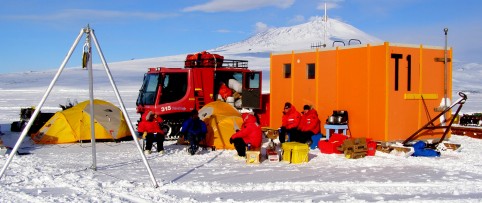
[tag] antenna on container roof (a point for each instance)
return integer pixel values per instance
(319, 44)
(325, 20)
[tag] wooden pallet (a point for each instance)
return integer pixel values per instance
(470, 131)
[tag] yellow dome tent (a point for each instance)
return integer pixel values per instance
(221, 120)
(73, 124)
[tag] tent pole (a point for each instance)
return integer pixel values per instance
(122, 107)
(39, 106)
(88, 46)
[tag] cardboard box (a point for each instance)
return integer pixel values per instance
(295, 152)
(252, 157)
(354, 144)
(354, 148)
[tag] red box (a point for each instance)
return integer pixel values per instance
(338, 137)
(327, 147)
(330, 146)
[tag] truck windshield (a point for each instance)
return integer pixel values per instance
(147, 94)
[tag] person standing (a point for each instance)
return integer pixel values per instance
(290, 121)
(151, 131)
(194, 130)
(250, 134)
(309, 125)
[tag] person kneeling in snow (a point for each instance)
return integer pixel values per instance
(151, 131)
(194, 130)
(250, 133)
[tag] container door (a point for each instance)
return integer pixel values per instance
(252, 90)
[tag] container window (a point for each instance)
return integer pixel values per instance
(310, 70)
(287, 70)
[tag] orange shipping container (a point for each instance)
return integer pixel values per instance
(381, 86)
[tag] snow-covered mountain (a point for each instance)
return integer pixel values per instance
(299, 37)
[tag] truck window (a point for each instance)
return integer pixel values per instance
(253, 81)
(174, 87)
(147, 94)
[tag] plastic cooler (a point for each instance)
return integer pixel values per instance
(295, 152)
(330, 146)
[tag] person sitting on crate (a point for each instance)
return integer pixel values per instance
(250, 135)
(290, 121)
(151, 132)
(309, 125)
(194, 130)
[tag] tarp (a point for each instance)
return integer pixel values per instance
(221, 120)
(73, 124)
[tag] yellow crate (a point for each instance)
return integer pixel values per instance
(295, 152)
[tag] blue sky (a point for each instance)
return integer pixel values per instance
(36, 35)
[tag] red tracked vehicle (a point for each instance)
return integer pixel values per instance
(172, 93)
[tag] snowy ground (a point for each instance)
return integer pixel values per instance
(61, 173)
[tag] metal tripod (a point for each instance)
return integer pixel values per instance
(87, 63)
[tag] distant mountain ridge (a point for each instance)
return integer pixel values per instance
(299, 37)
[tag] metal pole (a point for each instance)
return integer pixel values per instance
(122, 107)
(445, 69)
(325, 19)
(91, 96)
(39, 106)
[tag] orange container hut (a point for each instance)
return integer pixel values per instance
(381, 86)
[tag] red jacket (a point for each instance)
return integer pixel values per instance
(291, 119)
(310, 122)
(250, 131)
(225, 92)
(150, 126)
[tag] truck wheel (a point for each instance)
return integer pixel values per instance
(167, 129)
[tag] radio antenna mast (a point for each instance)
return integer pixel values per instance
(325, 20)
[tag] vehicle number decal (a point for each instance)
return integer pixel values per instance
(166, 108)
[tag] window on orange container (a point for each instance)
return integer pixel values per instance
(310, 70)
(287, 70)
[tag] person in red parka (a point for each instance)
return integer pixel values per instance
(250, 133)
(224, 91)
(151, 131)
(290, 121)
(309, 125)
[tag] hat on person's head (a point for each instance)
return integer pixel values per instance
(287, 105)
(306, 107)
(194, 112)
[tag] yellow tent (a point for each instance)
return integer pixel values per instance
(221, 120)
(73, 124)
